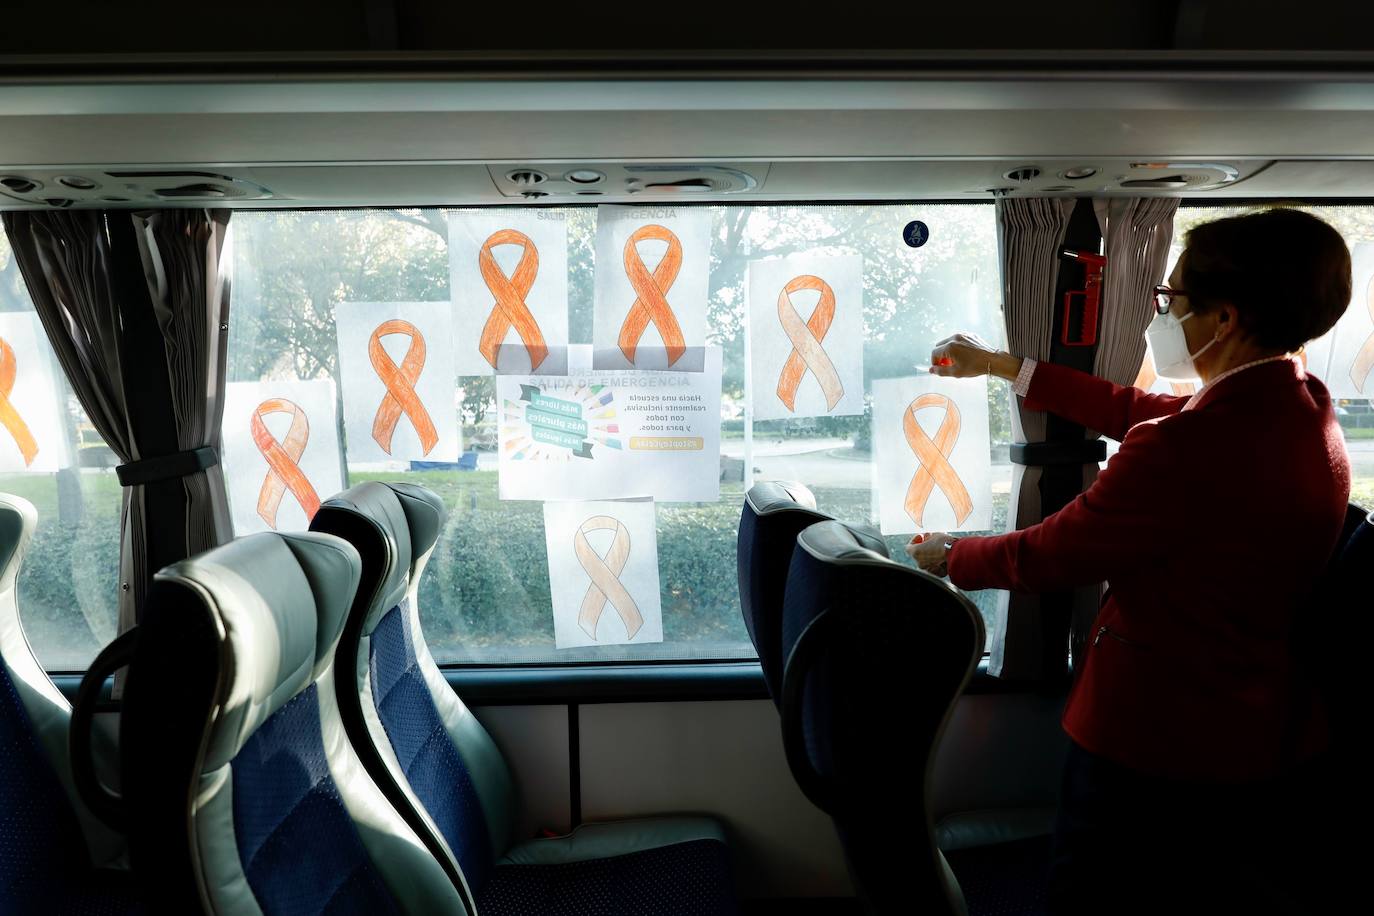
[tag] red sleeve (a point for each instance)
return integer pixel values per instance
(1095, 402)
(1122, 522)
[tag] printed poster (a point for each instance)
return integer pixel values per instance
(508, 277)
(931, 454)
(603, 573)
(1352, 352)
(806, 336)
(282, 454)
(652, 270)
(399, 389)
(32, 432)
(611, 435)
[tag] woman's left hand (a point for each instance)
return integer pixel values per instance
(930, 552)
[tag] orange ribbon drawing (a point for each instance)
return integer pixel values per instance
(1146, 379)
(400, 386)
(651, 292)
(283, 461)
(806, 337)
(933, 455)
(605, 575)
(9, 414)
(510, 310)
(1364, 360)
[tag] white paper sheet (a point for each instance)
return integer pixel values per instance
(281, 453)
(603, 573)
(508, 272)
(826, 376)
(33, 435)
(611, 435)
(1352, 354)
(414, 419)
(671, 262)
(911, 495)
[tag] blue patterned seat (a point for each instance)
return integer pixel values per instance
(248, 797)
(442, 771)
(50, 845)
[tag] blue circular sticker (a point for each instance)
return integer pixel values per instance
(916, 233)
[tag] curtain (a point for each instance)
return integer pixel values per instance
(136, 306)
(1030, 232)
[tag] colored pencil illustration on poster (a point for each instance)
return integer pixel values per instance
(651, 288)
(1352, 350)
(33, 436)
(806, 336)
(932, 457)
(281, 452)
(508, 278)
(399, 389)
(603, 572)
(540, 426)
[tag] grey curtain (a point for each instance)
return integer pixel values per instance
(1137, 233)
(1030, 232)
(136, 306)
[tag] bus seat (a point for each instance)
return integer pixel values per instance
(439, 765)
(242, 793)
(774, 513)
(53, 852)
(876, 655)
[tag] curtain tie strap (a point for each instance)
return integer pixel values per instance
(167, 467)
(1043, 454)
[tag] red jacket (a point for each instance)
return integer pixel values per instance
(1210, 526)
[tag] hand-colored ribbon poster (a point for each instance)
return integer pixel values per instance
(399, 389)
(10, 421)
(932, 458)
(508, 276)
(652, 283)
(33, 415)
(933, 455)
(400, 396)
(280, 439)
(603, 573)
(1363, 364)
(283, 461)
(805, 336)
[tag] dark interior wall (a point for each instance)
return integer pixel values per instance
(98, 27)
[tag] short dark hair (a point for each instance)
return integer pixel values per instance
(1286, 272)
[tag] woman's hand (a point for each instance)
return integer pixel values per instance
(969, 356)
(930, 552)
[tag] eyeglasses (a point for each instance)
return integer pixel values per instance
(1164, 297)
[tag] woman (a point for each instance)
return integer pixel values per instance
(1190, 724)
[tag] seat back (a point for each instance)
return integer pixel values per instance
(419, 741)
(876, 654)
(245, 793)
(774, 513)
(46, 832)
(1350, 595)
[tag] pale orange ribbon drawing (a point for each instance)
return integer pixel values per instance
(1364, 360)
(651, 292)
(933, 455)
(605, 575)
(510, 310)
(283, 461)
(9, 415)
(806, 337)
(400, 386)
(1146, 378)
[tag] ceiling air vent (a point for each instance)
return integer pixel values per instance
(19, 184)
(526, 178)
(1023, 173)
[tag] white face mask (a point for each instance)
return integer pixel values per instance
(1169, 348)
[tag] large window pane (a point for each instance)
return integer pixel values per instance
(485, 598)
